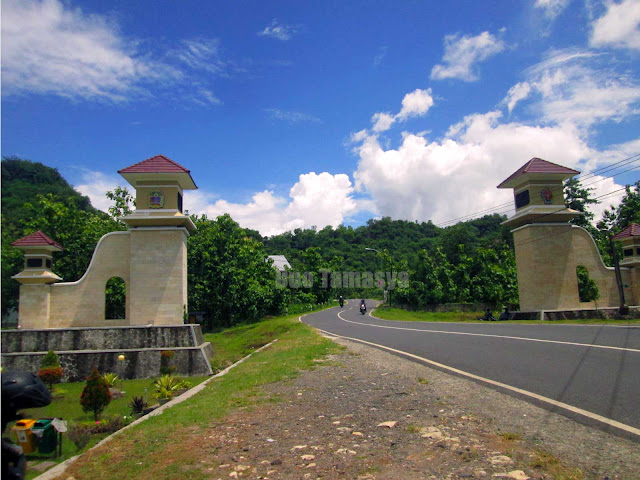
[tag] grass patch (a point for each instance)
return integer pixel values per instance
(423, 381)
(551, 464)
(177, 440)
(399, 314)
(232, 344)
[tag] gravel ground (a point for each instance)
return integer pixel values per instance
(370, 415)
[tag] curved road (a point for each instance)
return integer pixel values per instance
(590, 372)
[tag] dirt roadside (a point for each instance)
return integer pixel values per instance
(330, 423)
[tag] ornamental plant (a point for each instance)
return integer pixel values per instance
(165, 362)
(112, 379)
(95, 395)
(50, 371)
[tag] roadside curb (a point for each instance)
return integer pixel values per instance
(61, 468)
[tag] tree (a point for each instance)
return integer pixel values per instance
(577, 197)
(95, 395)
(229, 277)
(50, 371)
(123, 201)
(587, 287)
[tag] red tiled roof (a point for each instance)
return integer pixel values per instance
(36, 239)
(538, 165)
(157, 164)
(632, 230)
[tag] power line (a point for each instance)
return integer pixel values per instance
(624, 162)
(551, 213)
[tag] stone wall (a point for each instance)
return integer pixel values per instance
(546, 259)
(82, 303)
(81, 349)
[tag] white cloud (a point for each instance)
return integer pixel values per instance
(47, 48)
(279, 31)
(462, 52)
(202, 54)
(382, 53)
(316, 199)
(572, 86)
(292, 117)
(95, 186)
(441, 180)
(619, 26)
(382, 121)
(600, 187)
(414, 104)
(552, 8)
(518, 92)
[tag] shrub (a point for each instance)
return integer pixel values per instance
(137, 405)
(165, 362)
(111, 379)
(80, 434)
(110, 424)
(95, 395)
(50, 371)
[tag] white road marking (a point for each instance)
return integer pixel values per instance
(551, 401)
(490, 335)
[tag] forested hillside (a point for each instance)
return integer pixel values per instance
(229, 279)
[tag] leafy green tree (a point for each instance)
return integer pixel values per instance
(95, 396)
(228, 275)
(587, 287)
(123, 201)
(577, 197)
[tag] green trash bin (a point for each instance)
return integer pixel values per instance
(47, 435)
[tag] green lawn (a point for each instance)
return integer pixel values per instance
(399, 314)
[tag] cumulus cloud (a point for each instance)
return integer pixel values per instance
(315, 200)
(618, 27)
(463, 52)
(382, 122)
(277, 30)
(414, 104)
(441, 180)
(95, 185)
(552, 8)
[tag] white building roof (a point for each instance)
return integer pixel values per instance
(280, 262)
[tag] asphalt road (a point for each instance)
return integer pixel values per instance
(594, 368)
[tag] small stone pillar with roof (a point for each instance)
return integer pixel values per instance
(36, 278)
(630, 240)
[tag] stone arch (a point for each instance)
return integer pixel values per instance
(115, 299)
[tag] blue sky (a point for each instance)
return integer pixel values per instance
(300, 113)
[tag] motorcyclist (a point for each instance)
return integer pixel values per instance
(363, 306)
(341, 300)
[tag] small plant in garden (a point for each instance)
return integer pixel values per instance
(111, 379)
(167, 386)
(137, 405)
(79, 434)
(95, 396)
(50, 371)
(165, 362)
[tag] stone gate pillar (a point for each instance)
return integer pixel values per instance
(159, 231)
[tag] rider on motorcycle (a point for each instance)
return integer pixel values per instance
(363, 306)
(341, 300)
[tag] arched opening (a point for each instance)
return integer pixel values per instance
(587, 288)
(115, 299)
